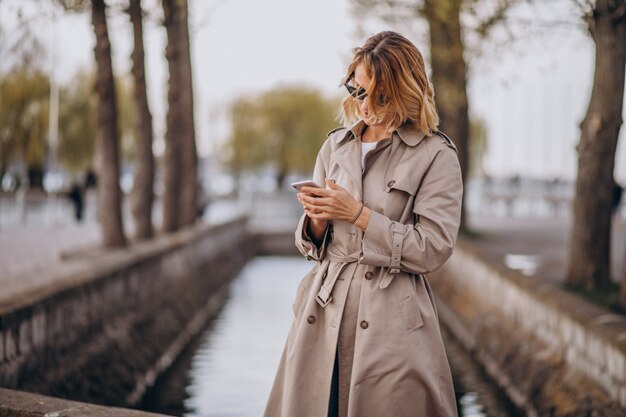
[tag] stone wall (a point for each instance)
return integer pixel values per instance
(23, 404)
(103, 333)
(552, 352)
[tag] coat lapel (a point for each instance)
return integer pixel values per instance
(348, 157)
(349, 160)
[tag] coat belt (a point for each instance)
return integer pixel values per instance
(324, 294)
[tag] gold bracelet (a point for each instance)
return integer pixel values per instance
(358, 214)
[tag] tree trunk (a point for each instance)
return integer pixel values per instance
(189, 158)
(180, 206)
(449, 76)
(589, 252)
(622, 297)
(109, 199)
(143, 194)
(175, 125)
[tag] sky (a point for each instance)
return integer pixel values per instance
(531, 93)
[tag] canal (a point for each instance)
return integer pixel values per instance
(228, 370)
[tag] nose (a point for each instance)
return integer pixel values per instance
(363, 105)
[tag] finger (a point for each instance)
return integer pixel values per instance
(316, 201)
(310, 190)
(310, 207)
(320, 215)
(321, 192)
(332, 184)
(302, 196)
(316, 207)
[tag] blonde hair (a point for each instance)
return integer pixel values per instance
(397, 72)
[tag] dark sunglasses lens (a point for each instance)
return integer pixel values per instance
(359, 94)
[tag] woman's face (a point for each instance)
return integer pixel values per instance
(361, 79)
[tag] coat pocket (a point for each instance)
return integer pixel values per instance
(303, 288)
(399, 198)
(409, 308)
(405, 186)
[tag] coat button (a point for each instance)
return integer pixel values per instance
(369, 275)
(311, 319)
(391, 183)
(364, 324)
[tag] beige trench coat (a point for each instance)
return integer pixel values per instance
(367, 292)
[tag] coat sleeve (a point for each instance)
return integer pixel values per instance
(425, 246)
(304, 242)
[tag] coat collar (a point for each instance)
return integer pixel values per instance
(409, 136)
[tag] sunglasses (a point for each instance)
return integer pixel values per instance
(358, 93)
(361, 94)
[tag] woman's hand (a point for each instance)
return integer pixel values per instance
(329, 204)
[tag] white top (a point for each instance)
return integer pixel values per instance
(365, 148)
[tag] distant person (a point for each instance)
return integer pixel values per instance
(76, 196)
(365, 340)
(90, 179)
(516, 181)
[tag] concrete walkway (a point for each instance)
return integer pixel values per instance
(537, 247)
(27, 249)
(27, 255)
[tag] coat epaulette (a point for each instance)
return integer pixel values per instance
(445, 139)
(336, 129)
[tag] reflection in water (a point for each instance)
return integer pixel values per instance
(228, 371)
(469, 404)
(526, 264)
(233, 370)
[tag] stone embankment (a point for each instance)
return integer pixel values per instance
(553, 353)
(23, 404)
(103, 333)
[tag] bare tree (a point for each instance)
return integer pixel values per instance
(449, 74)
(589, 251)
(622, 294)
(181, 183)
(143, 194)
(108, 133)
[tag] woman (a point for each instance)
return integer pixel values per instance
(365, 340)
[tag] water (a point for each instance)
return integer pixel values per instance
(229, 369)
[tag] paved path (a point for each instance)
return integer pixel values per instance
(537, 247)
(26, 250)
(31, 257)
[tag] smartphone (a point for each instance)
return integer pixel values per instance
(308, 183)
